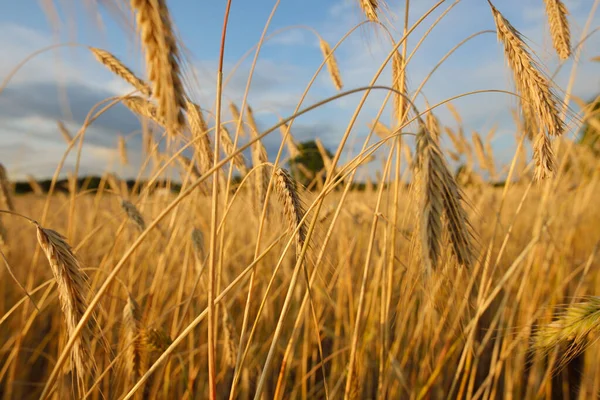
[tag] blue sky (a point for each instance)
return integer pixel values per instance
(64, 84)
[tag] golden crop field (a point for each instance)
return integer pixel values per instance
(414, 266)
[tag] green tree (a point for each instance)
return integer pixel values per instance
(308, 163)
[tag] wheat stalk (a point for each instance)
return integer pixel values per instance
(72, 288)
(559, 27)
(118, 68)
(332, 66)
(162, 60)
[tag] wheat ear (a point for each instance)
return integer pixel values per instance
(144, 108)
(332, 66)
(118, 68)
(369, 7)
(162, 60)
(72, 288)
(227, 143)
(532, 86)
(292, 206)
(134, 214)
(399, 84)
(559, 27)
(199, 131)
(132, 331)
(123, 150)
(5, 195)
(440, 196)
(572, 328)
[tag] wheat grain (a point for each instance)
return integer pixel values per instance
(289, 141)
(162, 60)
(235, 113)
(559, 27)
(200, 134)
(118, 68)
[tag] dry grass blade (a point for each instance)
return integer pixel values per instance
(559, 27)
(200, 130)
(332, 66)
(134, 214)
(162, 60)
(6, 201)
(292, 206)
(72, 288)
(118, 68)
(571, 329)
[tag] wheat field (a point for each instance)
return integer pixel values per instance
(229, 272)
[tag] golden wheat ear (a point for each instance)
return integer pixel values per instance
(162, 60)
(534, 89)
(134, 214)
(572, 329)
(292, 206)
(72, 289)
(118, 68)
(131, 332)
(559, 27)
(332, 65)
